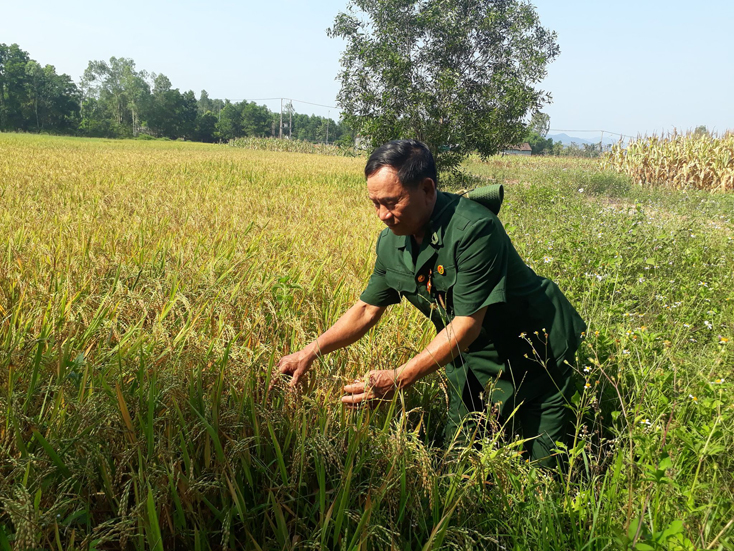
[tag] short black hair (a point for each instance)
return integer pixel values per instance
(411, 158)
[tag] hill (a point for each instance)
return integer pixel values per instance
(565, 139)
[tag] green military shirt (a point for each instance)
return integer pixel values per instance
(470, 263)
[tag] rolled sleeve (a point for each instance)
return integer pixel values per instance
(481, 276)
(378, 292)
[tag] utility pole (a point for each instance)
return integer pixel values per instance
(601, 143)
(290, 119)
(280, 133)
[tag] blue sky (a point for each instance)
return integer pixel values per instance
(625, 66)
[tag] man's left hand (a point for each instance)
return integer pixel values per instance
(377, 385)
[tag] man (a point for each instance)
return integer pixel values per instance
(505, 335)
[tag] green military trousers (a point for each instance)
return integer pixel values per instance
(541, 397)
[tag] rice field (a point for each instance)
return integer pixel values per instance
(148, 288)
(295, 146)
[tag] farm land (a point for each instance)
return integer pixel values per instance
(148, 288)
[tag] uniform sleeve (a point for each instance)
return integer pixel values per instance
(481, 271)
(378, 292)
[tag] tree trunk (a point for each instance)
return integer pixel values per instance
(118, 108)
(2, 105)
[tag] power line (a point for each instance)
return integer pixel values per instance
(282, 98)
(316, 104)
(335, 107)
(602, 131)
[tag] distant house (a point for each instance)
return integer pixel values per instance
(522, 149)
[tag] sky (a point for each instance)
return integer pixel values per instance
(631, 67)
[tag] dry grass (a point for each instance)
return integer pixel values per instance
(678, 161)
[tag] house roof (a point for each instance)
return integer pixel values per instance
(520, 147)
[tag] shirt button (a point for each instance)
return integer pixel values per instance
(421, 278)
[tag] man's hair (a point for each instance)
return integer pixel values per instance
(411, 159)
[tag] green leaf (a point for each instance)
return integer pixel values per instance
(632, 530)
(155, 539)
(4, 543)
(665, 463)
(576, 399)
(55, 458)
(212, 433)
(675, 527)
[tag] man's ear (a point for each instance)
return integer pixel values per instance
(429, 187)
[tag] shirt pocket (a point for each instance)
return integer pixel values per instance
(403, 283)
(444, 282)
(442, 293)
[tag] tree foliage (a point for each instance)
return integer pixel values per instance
(540, 123)
(115, 96)
(114, 99)
(34, 97)
(539, 144)
(458, 75)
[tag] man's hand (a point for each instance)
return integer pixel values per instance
(296, 365)
(377, 385)
(349, 328)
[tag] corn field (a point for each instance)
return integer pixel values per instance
(147, 289)
(677, 161)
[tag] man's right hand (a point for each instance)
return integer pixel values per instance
(349, 328)
(296, 365)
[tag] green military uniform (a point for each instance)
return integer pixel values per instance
(466, 262)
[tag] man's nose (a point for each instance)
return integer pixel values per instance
(384, 213)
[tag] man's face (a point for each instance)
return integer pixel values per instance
(406, 211)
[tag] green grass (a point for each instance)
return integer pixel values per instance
(148, 288)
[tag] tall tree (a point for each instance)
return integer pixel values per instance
(458, 75)
(255, 119)
(538, 144)
(206, 127)
(166, 115)
(117, 89)
(540, 123)
(37, 85)
(137, 94)
(53, 101)
(13, 87)
(186, 115)
(205, 104)
(230, 122)
(34, 97)
(63, 103)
